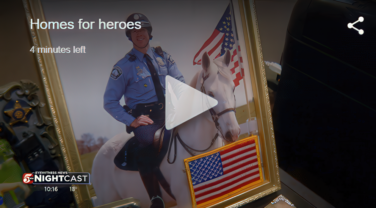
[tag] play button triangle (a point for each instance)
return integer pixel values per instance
(184, 102)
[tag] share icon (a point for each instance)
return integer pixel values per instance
(351, 25)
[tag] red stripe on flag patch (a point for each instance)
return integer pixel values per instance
(224, 179)
(241, 165)
(225, 185)
(226, 192)
(238, 153)
(237, 147)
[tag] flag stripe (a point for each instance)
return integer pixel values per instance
(211, 46)
(236, 64)
(236, 147)
(241, 162)
(227, 190)
(234, 54)
(239, 152)
(210, 43)
(223, 156)
(224, 185)
(227, 179)
(238, 166)
(217, 51)
(235, 158)
(233, 172)
(216, 46)
(232, 64)
(207, 42)
(238, 78)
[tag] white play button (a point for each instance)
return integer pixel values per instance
(184, 102)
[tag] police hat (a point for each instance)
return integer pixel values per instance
(138, 17)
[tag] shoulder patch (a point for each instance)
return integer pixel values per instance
(116, 73)
(160, 62)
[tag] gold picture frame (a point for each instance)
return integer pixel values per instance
(57, 103)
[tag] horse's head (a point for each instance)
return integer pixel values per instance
(215, 80)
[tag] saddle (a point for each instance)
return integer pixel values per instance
(126, 158)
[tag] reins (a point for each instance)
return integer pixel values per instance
(185, 146)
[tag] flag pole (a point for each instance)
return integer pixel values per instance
(240, 63)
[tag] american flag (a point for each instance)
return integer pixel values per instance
(229, 170)
(222, 39)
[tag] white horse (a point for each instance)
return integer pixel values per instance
(112, 184)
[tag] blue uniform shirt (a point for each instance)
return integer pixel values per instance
(131, 77)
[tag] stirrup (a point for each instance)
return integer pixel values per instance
(157, 197)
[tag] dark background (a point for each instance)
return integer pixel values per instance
(324, 112)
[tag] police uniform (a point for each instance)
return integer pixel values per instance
(131, 77)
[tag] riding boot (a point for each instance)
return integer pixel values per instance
(146, 162)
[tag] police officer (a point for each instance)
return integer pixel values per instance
(140, 77)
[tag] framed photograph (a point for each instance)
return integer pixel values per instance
(84, 50)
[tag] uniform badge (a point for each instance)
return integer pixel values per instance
(18, 113)
(139, 71)
(116, 73)
(160, 62)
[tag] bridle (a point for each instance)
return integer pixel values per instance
(215, 116)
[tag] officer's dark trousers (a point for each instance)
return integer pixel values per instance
(147, 155)
(145, 134)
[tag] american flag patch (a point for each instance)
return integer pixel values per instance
(221, 173)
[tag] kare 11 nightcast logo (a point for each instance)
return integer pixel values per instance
(56, 177)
